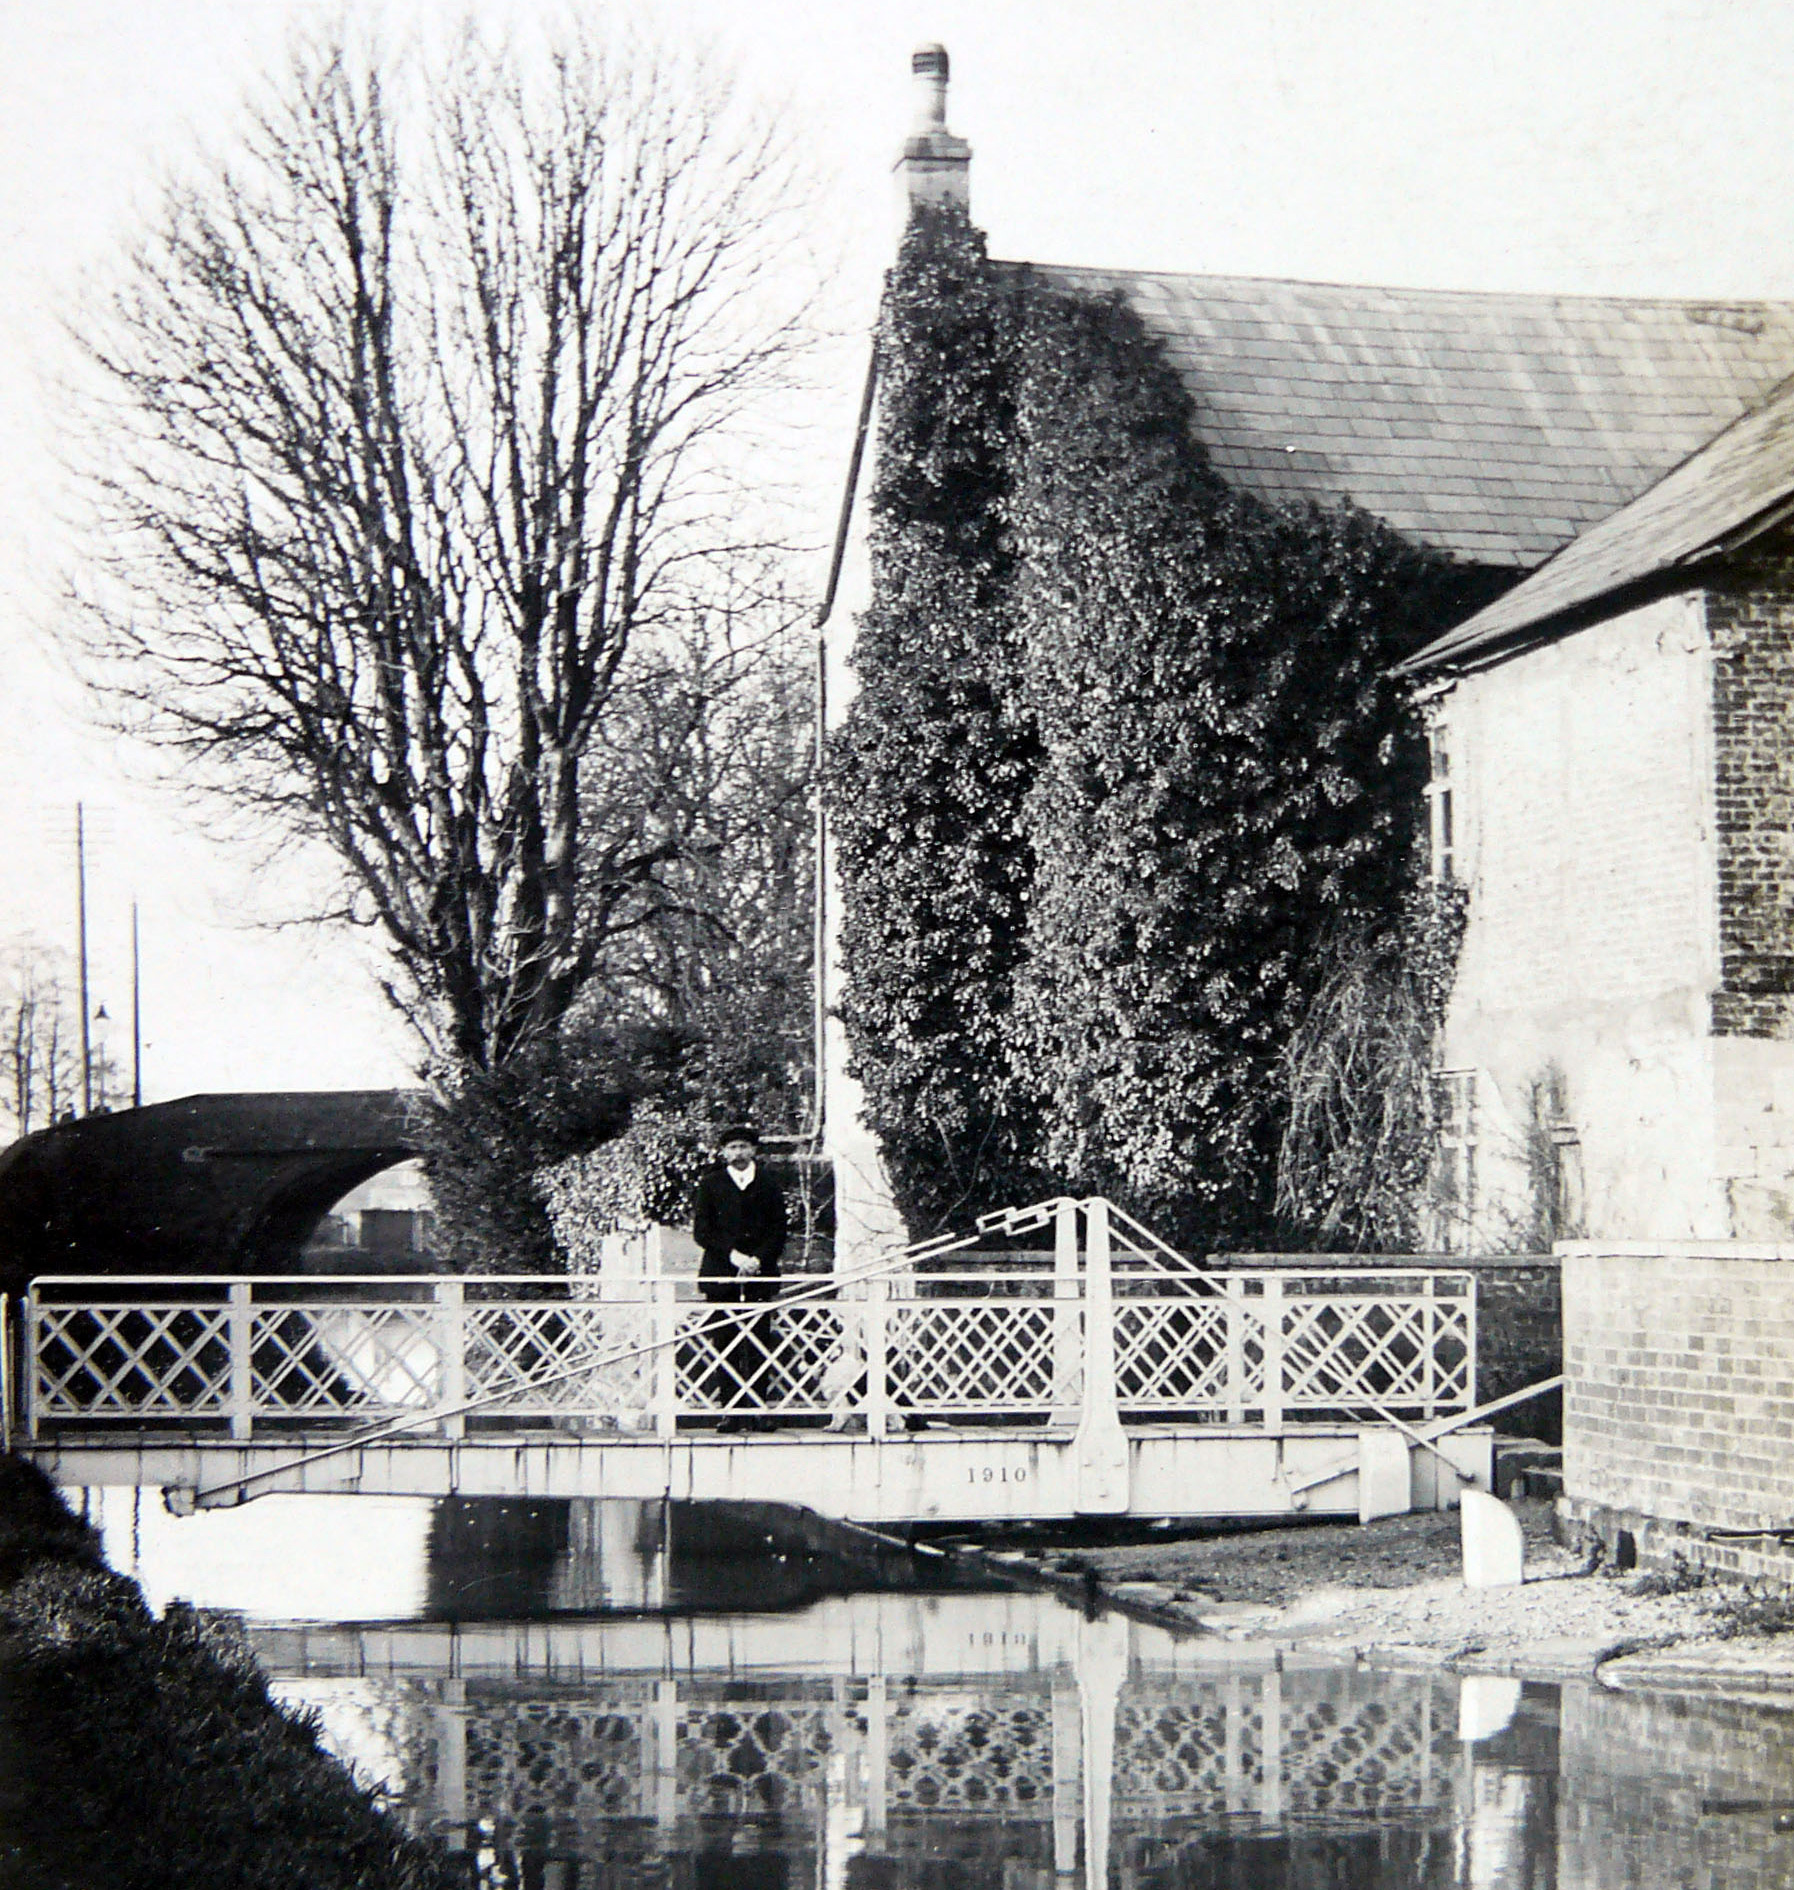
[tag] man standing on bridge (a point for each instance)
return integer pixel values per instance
(738, 1221)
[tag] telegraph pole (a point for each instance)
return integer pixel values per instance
(136, 1017)
(81, 898)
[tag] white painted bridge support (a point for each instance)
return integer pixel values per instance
(1101, 1443)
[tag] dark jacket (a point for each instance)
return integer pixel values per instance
(728, 1219)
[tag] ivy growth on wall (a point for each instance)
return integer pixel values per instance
(1124, 763)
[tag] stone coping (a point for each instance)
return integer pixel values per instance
(1670, 1250)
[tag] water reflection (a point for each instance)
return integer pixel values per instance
(884, 1742)
(687, 1699)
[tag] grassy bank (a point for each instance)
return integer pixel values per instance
(137, 1751)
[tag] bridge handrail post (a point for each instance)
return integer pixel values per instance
(1100, 1443)
(1233, 1306)
(5, 1371)
(451, 1350)
(664, 1389)
(875, 1333)
(1471, 1291)
(28, 1362)
(1429, 1330)
(1067, 1321)
(240, 1399)
(1272, 1313)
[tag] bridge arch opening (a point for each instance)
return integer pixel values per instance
(384, 1222)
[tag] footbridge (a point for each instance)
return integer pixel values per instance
(941, 1384)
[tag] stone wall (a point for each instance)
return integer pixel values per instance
(1680, 1400)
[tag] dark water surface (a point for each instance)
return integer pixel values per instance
(575, 1695)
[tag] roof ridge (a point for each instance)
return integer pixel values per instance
(1393, 288)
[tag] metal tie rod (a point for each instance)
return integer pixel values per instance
(397, 1427)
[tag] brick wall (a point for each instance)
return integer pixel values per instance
(1637, 1774)
(1680, 1400)
(1750, 616)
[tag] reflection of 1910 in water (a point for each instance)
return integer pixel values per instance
(889, 1740)
(580, 1701)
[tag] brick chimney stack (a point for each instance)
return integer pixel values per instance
(935, 165)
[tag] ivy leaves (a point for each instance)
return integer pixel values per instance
(1125, 758)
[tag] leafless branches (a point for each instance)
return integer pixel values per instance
(40, 1039)
(417, 441)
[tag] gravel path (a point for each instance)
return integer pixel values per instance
(1392, 1592)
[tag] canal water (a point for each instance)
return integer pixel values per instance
(576, 1695)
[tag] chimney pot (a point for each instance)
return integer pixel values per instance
(935, 165)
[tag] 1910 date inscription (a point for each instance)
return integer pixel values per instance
(1000, 1473)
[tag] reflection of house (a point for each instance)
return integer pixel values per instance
(1614, 783)
(1490, 427)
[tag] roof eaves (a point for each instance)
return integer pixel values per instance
(1496, 632)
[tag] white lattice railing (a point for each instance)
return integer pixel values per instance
(956, 1343)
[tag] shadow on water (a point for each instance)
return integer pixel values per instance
(489, 1559)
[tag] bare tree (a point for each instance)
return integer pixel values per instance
(418, 420)
(40, 1032)
(710, 765)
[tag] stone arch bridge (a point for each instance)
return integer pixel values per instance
(230, 1183)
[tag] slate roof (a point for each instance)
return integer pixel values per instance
(1736, 487)
(1495, 427)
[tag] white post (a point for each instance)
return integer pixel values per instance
(666, 1752)
(1102, 1666)
(1233, 1760)
(1233, 1310)
(875, 1311)
(1429, 1369)
(1101, 1444)
(451, 1351)
(1470, 1343)
(1272, 1313)
(664, 1397)
(5, 1374)
(1068, 1758)
(1065, 1312)
(241, 1359)
(29, 1362)
(451, 1762)
(877, 1753)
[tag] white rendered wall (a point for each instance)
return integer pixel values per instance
(867, 1223)
(1582, 782)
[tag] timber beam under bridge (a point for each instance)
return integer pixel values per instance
(1116, 1380)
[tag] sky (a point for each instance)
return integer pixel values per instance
(1575, 146)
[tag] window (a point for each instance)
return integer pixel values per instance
(1440, 814)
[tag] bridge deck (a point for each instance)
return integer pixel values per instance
(934, 1476)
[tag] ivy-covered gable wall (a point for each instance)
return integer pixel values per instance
(1124, 765)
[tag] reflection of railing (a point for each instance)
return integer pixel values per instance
(958, 1344)
(1259, 1744)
